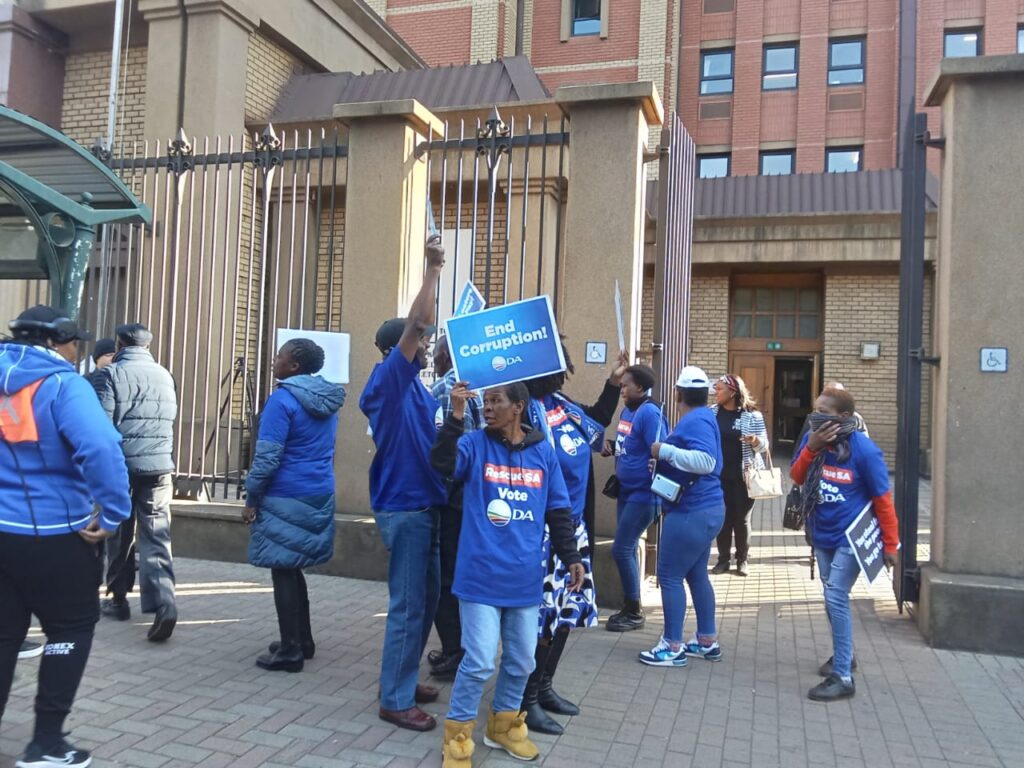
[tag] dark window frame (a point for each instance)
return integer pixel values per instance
(574, 19)
(731, 77)
(858, 148)
(795, 71)
(775, 312)
(727, 156)
(791, 153)
(848, 67)
(954, 31)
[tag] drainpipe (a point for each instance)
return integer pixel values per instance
(182, 63)
(115, 67)
(907, 73)
(520, 26)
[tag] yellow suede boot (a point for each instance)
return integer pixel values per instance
(458, 743)
(507, 730)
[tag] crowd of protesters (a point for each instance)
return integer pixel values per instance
(86, 469)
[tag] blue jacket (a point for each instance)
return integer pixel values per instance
(291, 482)
(59, 451)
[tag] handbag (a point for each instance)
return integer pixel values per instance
(793, 516)
(764, 483)
(611, 488)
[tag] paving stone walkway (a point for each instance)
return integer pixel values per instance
(198, 700)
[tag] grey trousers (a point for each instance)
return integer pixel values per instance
(149, 530)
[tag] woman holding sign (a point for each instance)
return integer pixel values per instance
(574, 431)
(843, 476)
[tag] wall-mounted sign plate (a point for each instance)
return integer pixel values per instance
(994, 360)
(597, 352)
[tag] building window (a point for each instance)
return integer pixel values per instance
(846, 61)
(586, 17)
(780, 67)
(844, 159)
(715, 72)
(777, 163)
(962, 43)
(776, 313)
(1020, 40)
(713, 166)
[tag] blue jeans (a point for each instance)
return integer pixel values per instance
(414, 583)
(633, 519)
(482, 627)
(686, 537)
(839, 571)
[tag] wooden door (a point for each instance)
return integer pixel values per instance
(758, 372)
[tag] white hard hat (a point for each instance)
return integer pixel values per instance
(692, 377)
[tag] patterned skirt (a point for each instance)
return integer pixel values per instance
(560, 607)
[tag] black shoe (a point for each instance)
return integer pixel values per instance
(720, 568)
(163, 624)
(308, 649)
(742, 569)
(539, 721)
(832, 688)
(625, 621)
(444, 665)
(59, 754)
(552, 702)
(116, 608)
(826, 669)
(282, 660)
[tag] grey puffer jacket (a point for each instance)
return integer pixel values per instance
(140, 397)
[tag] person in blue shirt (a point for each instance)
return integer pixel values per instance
(641, 425)
(445, 660)
(290, 493)
(406, 495)
(59, 454)
(690, 457)
(512, 489)
(575, 432)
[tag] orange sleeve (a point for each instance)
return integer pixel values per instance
(886, 514)
(799, 468)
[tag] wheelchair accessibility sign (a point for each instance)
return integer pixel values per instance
(993, 360)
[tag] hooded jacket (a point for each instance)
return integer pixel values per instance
(509, 493)
(58, 451)
(139, 396)
(291, 482)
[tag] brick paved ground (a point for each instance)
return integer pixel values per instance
(199, 701)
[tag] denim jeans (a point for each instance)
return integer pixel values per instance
(839, 571)
(482, 627)
(148, 530)
(414, 582)
(686, 537)
(633, 519)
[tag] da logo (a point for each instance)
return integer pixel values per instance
(499, 513)
(568, 444)
(500, 363)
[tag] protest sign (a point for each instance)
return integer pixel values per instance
(336, 348)
(618, 317)
(509, 343)
(470, 301)
(865, 538)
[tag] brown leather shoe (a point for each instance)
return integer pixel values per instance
(425, 694)
(414, 719)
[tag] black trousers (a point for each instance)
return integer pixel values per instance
(737, 519)
(292, 603)
(446, 619)
(57, 578)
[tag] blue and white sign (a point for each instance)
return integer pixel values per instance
(993, 360)
(509, 343)
(470, 301)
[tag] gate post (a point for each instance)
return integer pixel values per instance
(972, 591)
(385, 232)
(604, 242)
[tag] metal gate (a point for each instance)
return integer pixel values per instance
(678, 177)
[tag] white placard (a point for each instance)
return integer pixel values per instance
(336, 348)
(618, 317)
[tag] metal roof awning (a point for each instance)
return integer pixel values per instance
(59, 173)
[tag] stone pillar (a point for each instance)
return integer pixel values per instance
(385, 231)
(972, 591)
(215, 66)
(604, 241)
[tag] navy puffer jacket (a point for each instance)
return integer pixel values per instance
(291, 482)
(140, 397)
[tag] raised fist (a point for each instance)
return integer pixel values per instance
(435, 251)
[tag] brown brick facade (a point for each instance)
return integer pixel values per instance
(709, 323)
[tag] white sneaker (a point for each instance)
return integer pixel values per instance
(30, 650)
(662, 655)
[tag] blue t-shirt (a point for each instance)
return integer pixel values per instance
(401, 413)
(846, 488)
(696, 431)
(637, 431)
(571, 447)
(506, 496)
